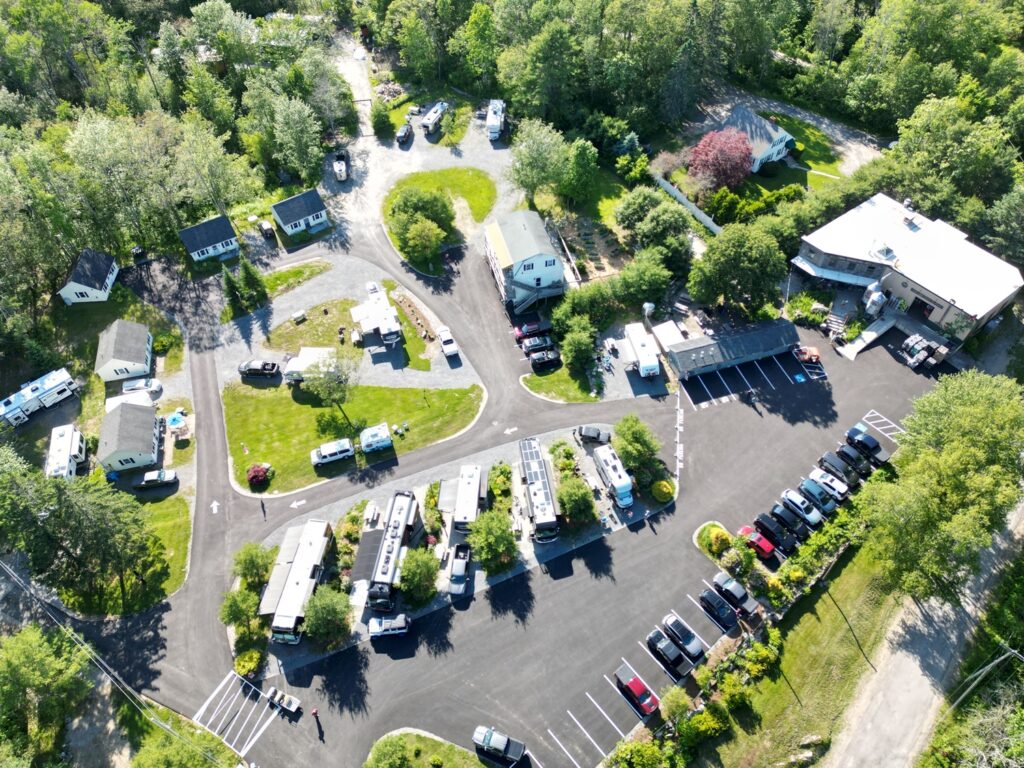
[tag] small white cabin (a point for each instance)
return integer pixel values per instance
(91, 279)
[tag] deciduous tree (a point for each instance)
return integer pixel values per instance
(667, 227)
(419, 577)
(576, 500)
(252, 564)
(476, 44)
(643, 279)
(742, 266)
(539, 157)
(580, 170)
(239, 607)
(493, 542)
(328, 616)
(209, 97)
(297, 138)
(331, 381)
(722, 156)
(1006, 225)
(422, 240)
(636, 446)
(635, 206)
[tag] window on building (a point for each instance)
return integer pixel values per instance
(528, 267)
(121, 371)
(129, 460)
(536, 282)
(549, 262)
(81, 294)
(204, 251)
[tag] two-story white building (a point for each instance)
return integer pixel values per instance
(768, 140)
(524, 261)
(91, 279)
(926, 265)
(211, 239)
(125, 350)
(305, 212)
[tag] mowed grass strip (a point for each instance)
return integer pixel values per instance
(827, 640)
(819, 153)
(170, 521)
(471, 184)
(319, 329)
(421, 749)
(280, 425)
(560, 385)
(603, 197)
(415, 346)
(283, 280)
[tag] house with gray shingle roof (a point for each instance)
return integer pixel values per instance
(125, 350)
(213, 238)
(91, 279)
(129, 438)
(768, 140)
(523, 259)
(305, 212)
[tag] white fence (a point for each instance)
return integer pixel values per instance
(698, 214)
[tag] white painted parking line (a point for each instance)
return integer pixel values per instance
(713, 619)
(198, 715)
(723, 382)
(612, 722)
(534, 760)
(658, 661)
(688, 397)
(749, 388)
(764, 374)
(705, 387)
(884, 426)
(578, 725)
(564, 749)
(782, 369)
(695, 632)
(637, 674)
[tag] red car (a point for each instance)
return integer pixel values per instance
(636, 690)
(764, 548)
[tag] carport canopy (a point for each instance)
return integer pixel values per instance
(366, 555)
(704, 354)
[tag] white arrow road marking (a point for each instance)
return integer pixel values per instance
(510, 430)
(297, 504)
(214, 507)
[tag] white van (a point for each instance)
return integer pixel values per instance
(336, 450)
(380, 626)
(375, 438)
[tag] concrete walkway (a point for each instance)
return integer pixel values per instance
(892, 716)
(868, 336)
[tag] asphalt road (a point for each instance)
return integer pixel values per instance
(531, 654)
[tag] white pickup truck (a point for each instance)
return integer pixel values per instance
(460, 570)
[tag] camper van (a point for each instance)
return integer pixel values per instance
(42, 393)
(375, 438)
(495, 119)
(432, 119)
(614, 476)
(67, 451)
(645, 351)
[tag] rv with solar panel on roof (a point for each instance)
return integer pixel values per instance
(402, 527)
(535, 473)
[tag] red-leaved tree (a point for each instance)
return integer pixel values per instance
(723, 156)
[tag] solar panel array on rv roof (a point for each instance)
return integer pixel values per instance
(537, 479)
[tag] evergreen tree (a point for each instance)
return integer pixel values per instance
(231, 292)
(250, 285)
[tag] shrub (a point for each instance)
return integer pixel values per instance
(248, 662)
(576, 501)
(735, 695)
(381, 120)
(388, 752)
(258, 475)
(663, 490)
(431, 514)
(436, 761)
(730, 560)
(162, 343)
(703, 676)
(419, 577)
(632, 168)
(713, 721)
(350, 531)
(776, 591)
(719, 540)
(636, 205)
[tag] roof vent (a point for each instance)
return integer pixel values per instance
(908, 203)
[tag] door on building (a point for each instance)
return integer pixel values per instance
(920, 308)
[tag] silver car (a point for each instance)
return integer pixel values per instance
(802, 507)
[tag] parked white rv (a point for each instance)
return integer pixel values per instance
(432, 119)
(375, 438)
(42, 393)
(495, 119)
(614, 475)
(67, 451)
(295, 369)
(467, 497)
(645, 350)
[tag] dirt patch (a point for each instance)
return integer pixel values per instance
(599, 254)
(94, 738)
(464, 221)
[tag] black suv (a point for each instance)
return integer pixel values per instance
(831, 463)
(772, 530)
(537, 344)
(790, 521)
(718, 610)
(548, 359)
(867, 446)
(852, 457)
(258, 368)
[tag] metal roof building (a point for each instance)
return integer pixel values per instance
(704, 354)
(297, 571)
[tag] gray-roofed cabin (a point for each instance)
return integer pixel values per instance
(305, 212)
(524, 261)
(129, 438)
(125, 350)
(704, 354)
(768, 140)
(213, 238)
(91, 279)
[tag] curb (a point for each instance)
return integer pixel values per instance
(522, 383)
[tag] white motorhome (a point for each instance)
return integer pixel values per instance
(540, 500)
(644, 349)
(297, 572)
(42, 393)
(375, 438)
(67, 451)
(467, 497)
(296, 367)
(432, 119)
(495, 119)
(614, 475)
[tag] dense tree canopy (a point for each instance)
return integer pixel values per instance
(741, 266)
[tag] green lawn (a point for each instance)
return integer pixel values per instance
(280, 425)
(169, 519)
(283, 280)
(818, 154)
(414, 345)
(184, 449)
(138, 729)
(605, 195)
(827, 638)
(758, 185)
(320, 329)
(560, 385)
(260, 206)
(421, 749)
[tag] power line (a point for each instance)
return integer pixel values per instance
(133, 697)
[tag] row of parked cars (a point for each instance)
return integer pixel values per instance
(804, 509)
(534, 339)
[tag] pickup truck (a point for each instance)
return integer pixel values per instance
(460, 570)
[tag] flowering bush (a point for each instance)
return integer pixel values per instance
(257, 475)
